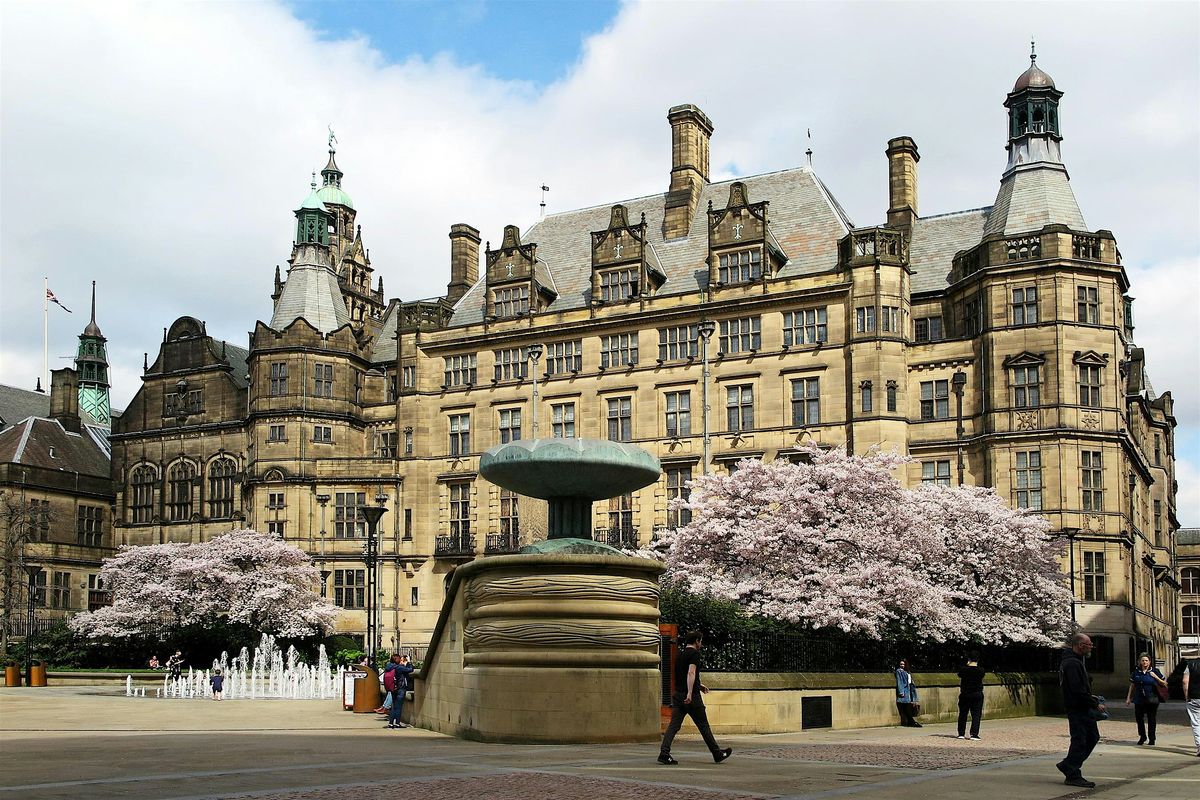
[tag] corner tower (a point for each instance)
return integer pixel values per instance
(351, 260)
(91, 362)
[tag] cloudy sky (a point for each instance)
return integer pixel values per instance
(159, 148)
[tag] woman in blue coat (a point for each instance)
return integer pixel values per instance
(907, 700)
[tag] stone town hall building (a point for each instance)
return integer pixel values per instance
(995, 345)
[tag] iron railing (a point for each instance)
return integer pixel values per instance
(454, 544)
(623, 538)
(502, 543)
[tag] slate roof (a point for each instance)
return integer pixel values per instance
(311, 292)
(45, 443)
(238, 358)
(17, 404)
(935, 240)
(1187, 536)
(1031, 197)
(805, 220)
(384, 347)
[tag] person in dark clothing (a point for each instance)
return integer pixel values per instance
(686, 700)
(970, 696)
(1080, 703)
(1143, 693)
(395, 680)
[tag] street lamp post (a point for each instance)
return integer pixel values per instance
(1071, 533)
(535, 353)
(959, 382)
(30, 631)
(372, 515)
(322, 501)
(706, 329)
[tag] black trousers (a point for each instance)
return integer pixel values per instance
(1085, 733)
(969, 704)
(907, 718)
(699, 715)
(1147, 717)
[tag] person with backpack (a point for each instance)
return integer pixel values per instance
(1143, 692)
(395, 681)
(1191, 693)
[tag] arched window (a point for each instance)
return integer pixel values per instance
(220, 488)
(179, 481)
(1191, 620)
(142, 493)
(1191, 580)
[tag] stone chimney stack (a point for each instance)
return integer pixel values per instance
(464, 260)
(64, 398)
(691, 130)
(902, 181)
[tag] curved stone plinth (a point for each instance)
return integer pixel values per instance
(527, 646)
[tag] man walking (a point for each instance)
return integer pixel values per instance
(1191, 693)
(686, 700)
(1080, 703)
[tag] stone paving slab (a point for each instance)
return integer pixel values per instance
(66, 743)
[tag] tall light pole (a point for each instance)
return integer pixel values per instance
(372, 515)
(959, 382)
(322, 501)
(535, 353)
(706, 329)
(30, 631)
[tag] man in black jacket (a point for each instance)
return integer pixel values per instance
(1079, 702)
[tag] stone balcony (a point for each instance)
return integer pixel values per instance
(1052, 243)
(863, 246)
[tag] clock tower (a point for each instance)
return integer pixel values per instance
(91, 362)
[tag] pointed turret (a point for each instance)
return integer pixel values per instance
(1035, 189)
(91, 363)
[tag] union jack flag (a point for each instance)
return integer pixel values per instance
(50, 296)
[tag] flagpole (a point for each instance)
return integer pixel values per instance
(46, 331)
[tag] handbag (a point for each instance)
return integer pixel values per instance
(1164, 692)
(1097, 714)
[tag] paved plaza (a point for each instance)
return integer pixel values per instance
(93, 744)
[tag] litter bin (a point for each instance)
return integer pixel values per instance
(367, 696)
(12, 675)
(37, 674)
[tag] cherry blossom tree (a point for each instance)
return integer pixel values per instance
(244, 576)
(838, 543)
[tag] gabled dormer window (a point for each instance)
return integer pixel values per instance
(618, 284)
(511, 302)
(741, 266)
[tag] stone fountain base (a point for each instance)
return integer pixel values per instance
(545, 648)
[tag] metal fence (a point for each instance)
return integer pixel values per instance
(765, 652)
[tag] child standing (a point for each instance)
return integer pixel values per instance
(217, 681)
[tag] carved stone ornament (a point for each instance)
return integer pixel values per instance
(562, 633)
(1093, 522)
(1090, 421)
(560, 587)
(1027, 420)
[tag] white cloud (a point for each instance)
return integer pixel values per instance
(160, 148)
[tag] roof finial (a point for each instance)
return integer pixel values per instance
(545, 189)
(314, 181)
(93, 302)
(332, 139)
(1032, 50)
(809, 151)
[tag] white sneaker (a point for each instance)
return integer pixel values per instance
(974, 738)
(960, 736)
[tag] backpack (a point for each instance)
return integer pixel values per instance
(389, 680)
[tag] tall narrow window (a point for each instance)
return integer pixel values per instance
(179, 480)
(510, 520)
(809, 326)
(892, 400)
(678, 488)
(460, 513)
(620, 516)
(935, 399)
(889, 319)
(1090, 381)
(142, 485)
(89, 521)
(679, 413)
(460, 434)
(278, 384)
(1029, 480)
(323, 380)
(1157, 450)
(973, 316)
(864, 319)
(739, 407)
(1092, 480)
(220, 488)
(935, 472)
(1094, 576)
(346, 521)
(39, 520)
(510, 425)
(1087, 305)
(1026, 384)
(806, 401)
(562, 420)
(60, 590)
(620, 419)
(1024, 306)
(866, 399)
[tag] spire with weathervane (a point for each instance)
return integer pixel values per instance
(91, 363)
